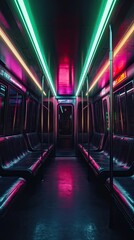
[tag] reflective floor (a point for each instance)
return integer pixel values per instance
(65, 204)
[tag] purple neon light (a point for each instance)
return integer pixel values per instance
(11, 62)
(8, 77)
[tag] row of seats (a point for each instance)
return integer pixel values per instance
(123, 195)
(98, 158)
(19, 163)
(38, 141)
(99, 161)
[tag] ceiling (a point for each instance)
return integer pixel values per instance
(65, 29)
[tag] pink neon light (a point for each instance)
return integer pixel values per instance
(119, 64)
(64, 75)
(65, 189)
(120, 60)
(65, 81)
(9, 78)
(65, 183)
(18, 84)
(0, 102)
(11, 62)
(72, 73)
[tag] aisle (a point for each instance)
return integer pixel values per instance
(64, 205)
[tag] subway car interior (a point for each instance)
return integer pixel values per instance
(66, 119)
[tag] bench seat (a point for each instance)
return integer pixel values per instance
(123, 162)
(17, 160)
(123, 194)
(96, 142)
(10, 187)
(34, 143)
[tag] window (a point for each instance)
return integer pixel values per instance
(14, 115)
(106, 116)
(79, 117)
(85, 119)
(117, 116)
(98, 116)
(124, 111)
(65, 119)
(130, 108)
(31, 115)
(45, 118)
(2, 106)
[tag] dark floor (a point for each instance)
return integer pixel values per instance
(64, 205)
(65, 152)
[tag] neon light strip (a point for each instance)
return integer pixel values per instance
(98, 35)
(61, 109)
(29, 23)
(9, 78)
(116, 51)
(19, 58)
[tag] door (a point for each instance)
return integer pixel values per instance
(65, 133)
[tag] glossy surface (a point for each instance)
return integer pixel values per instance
(9, 189)
(64, 205)
(17, 55)
(123, 192)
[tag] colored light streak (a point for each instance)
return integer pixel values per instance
(120, 45)
(104, 17)
(65, 81)
(61, 109)
(8, 77)
(19, 58)
(64, 75)
(34, 37)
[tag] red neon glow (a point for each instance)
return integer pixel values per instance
(65, 81)
(9, 78)
(15, 53)
(65, 189)
(1, 102)
(65, 182)
(11, 62)
(72, 75)
(64, 75)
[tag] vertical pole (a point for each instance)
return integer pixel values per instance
(42, 120)
(53, 117)
(48, 119)
(111, 127)
(82, 123)
(82, 113)
(25, 122)
(88, 134)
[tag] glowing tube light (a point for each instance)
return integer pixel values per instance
(19, 58)
(98, 35)
(33, 35)
(116, 51)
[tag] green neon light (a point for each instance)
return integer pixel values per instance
(103, 18)
(28, 21)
